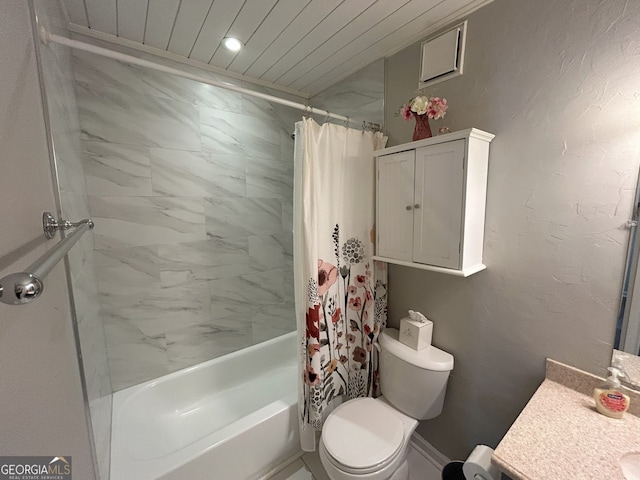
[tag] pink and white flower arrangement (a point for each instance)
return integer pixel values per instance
(432, 107)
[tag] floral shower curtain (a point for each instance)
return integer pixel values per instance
(340, 291)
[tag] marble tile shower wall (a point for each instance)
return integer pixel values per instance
(191, 190)
(360, 95)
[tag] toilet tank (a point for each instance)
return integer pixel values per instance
(413, 381)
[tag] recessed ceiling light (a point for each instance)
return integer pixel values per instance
(232, 44)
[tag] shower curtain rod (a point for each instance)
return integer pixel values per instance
(47, 37)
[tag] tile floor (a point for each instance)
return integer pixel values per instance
(308, 467)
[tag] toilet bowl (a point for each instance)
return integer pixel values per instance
(368, 439)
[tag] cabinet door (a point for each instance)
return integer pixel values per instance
(394, 194)
(439, 183)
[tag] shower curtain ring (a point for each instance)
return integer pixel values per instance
(326, 119)
(346, 122)
(364, 126)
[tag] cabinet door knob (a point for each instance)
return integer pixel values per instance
(408, 207)
(416, 206)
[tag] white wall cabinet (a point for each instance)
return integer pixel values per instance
(430, 202)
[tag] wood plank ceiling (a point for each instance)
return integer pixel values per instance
(299, 46)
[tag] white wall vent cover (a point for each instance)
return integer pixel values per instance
(442, 56)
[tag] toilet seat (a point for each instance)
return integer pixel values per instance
(362, 436)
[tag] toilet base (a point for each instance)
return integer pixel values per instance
(402, 473)
(397, 470)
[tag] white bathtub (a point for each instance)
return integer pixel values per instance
(231, 418)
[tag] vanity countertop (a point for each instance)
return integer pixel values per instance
(560, 434)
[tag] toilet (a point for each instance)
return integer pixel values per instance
(368, 439)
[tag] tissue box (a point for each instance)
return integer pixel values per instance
(415, 334)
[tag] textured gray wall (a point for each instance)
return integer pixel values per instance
(43, 411)
(557, 82)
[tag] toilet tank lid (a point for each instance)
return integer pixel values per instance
(430, 358)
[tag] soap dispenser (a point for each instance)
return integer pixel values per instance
(610, 400)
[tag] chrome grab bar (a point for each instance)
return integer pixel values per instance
(24, 287)
(50, 225)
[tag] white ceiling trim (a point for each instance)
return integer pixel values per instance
(123, 42)
(341, 68)
(327, 28)
(451, 18)
(358, 26)
(336, 75)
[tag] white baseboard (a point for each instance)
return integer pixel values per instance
(429, 452)
(420, 445)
